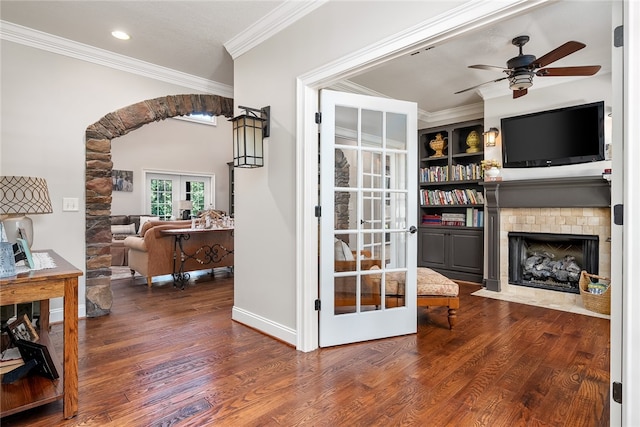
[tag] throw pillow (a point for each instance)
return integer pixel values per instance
(144, 219)
(123, 229)
(342, 252)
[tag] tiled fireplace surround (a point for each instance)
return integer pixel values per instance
(567, 205)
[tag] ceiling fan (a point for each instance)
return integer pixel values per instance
(521, 69)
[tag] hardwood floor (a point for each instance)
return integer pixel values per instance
(166, 357)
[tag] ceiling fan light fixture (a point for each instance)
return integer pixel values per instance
(521, 80)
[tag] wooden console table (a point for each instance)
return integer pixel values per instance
(32, 391)
(213, 249)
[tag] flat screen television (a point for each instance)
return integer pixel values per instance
(564, 136)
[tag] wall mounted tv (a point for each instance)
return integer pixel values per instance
(564, 136)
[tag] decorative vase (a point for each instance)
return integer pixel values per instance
(473, 142)
(492, 173)
(438, 144)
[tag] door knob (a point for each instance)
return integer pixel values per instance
(413, 229)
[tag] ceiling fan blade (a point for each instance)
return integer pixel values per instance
(588, 70)
(487, 67)
(558, 53)
(519, 92)
(481, 84)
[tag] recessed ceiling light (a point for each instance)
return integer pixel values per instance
(120, 35)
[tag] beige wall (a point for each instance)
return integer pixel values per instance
(48, 100)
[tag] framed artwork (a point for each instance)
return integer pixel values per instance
(122, 180)
(22, 329)
(40, 353)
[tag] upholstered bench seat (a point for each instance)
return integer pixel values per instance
(433, 290)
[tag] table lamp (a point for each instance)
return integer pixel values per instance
(185, 207)
(20, 196)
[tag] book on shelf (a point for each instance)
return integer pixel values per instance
(434, 174)
(451, 197)
(474, 217)
(468, 172)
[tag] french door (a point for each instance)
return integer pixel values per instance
(164, 191)
(368, 198)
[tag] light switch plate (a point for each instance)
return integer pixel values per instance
(70, 204)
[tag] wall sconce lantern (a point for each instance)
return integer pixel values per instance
(490, 137)
(249, 131)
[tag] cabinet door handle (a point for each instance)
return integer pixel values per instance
(413, 229)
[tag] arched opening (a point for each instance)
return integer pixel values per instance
(98, 186)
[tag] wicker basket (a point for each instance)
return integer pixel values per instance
(599, 303)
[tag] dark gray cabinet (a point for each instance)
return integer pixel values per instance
(456, 252)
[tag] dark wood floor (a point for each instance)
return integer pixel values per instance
(166, 357)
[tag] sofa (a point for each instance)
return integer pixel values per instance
(123, 226)
(151, 253)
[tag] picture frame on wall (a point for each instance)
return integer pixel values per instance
(121, 180)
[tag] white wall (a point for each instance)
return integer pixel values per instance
(540, 98)
(48, 101)
(173, 145)
(265, 248)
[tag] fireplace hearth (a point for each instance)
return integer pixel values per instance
(551, 261)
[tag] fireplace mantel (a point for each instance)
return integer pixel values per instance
(578, 192)
(574, 192)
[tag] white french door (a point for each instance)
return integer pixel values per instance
(164, 191)
(368, 196)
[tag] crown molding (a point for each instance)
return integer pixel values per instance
(272, 23)
(61, 46)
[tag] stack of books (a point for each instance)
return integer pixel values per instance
(454, 219)
(431, 219)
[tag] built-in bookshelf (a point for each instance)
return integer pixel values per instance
(451, 198)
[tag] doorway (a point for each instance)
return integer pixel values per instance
(98, 186)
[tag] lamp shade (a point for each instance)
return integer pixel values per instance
(20, 196)
(185, 205)
(23, 195)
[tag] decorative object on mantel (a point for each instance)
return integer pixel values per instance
(491, 169)
(596, 292)
(606, 174)
(19, 196)
(438, 144)
(473, 142)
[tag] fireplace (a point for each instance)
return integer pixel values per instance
(571, 206)
(551, 261)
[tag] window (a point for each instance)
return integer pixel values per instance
(161, 198)
(164, 191)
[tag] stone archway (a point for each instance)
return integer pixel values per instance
(98, 179)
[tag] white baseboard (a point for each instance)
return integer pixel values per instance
(264, 325)
(57, 314)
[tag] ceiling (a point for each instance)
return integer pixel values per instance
(189, 36)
